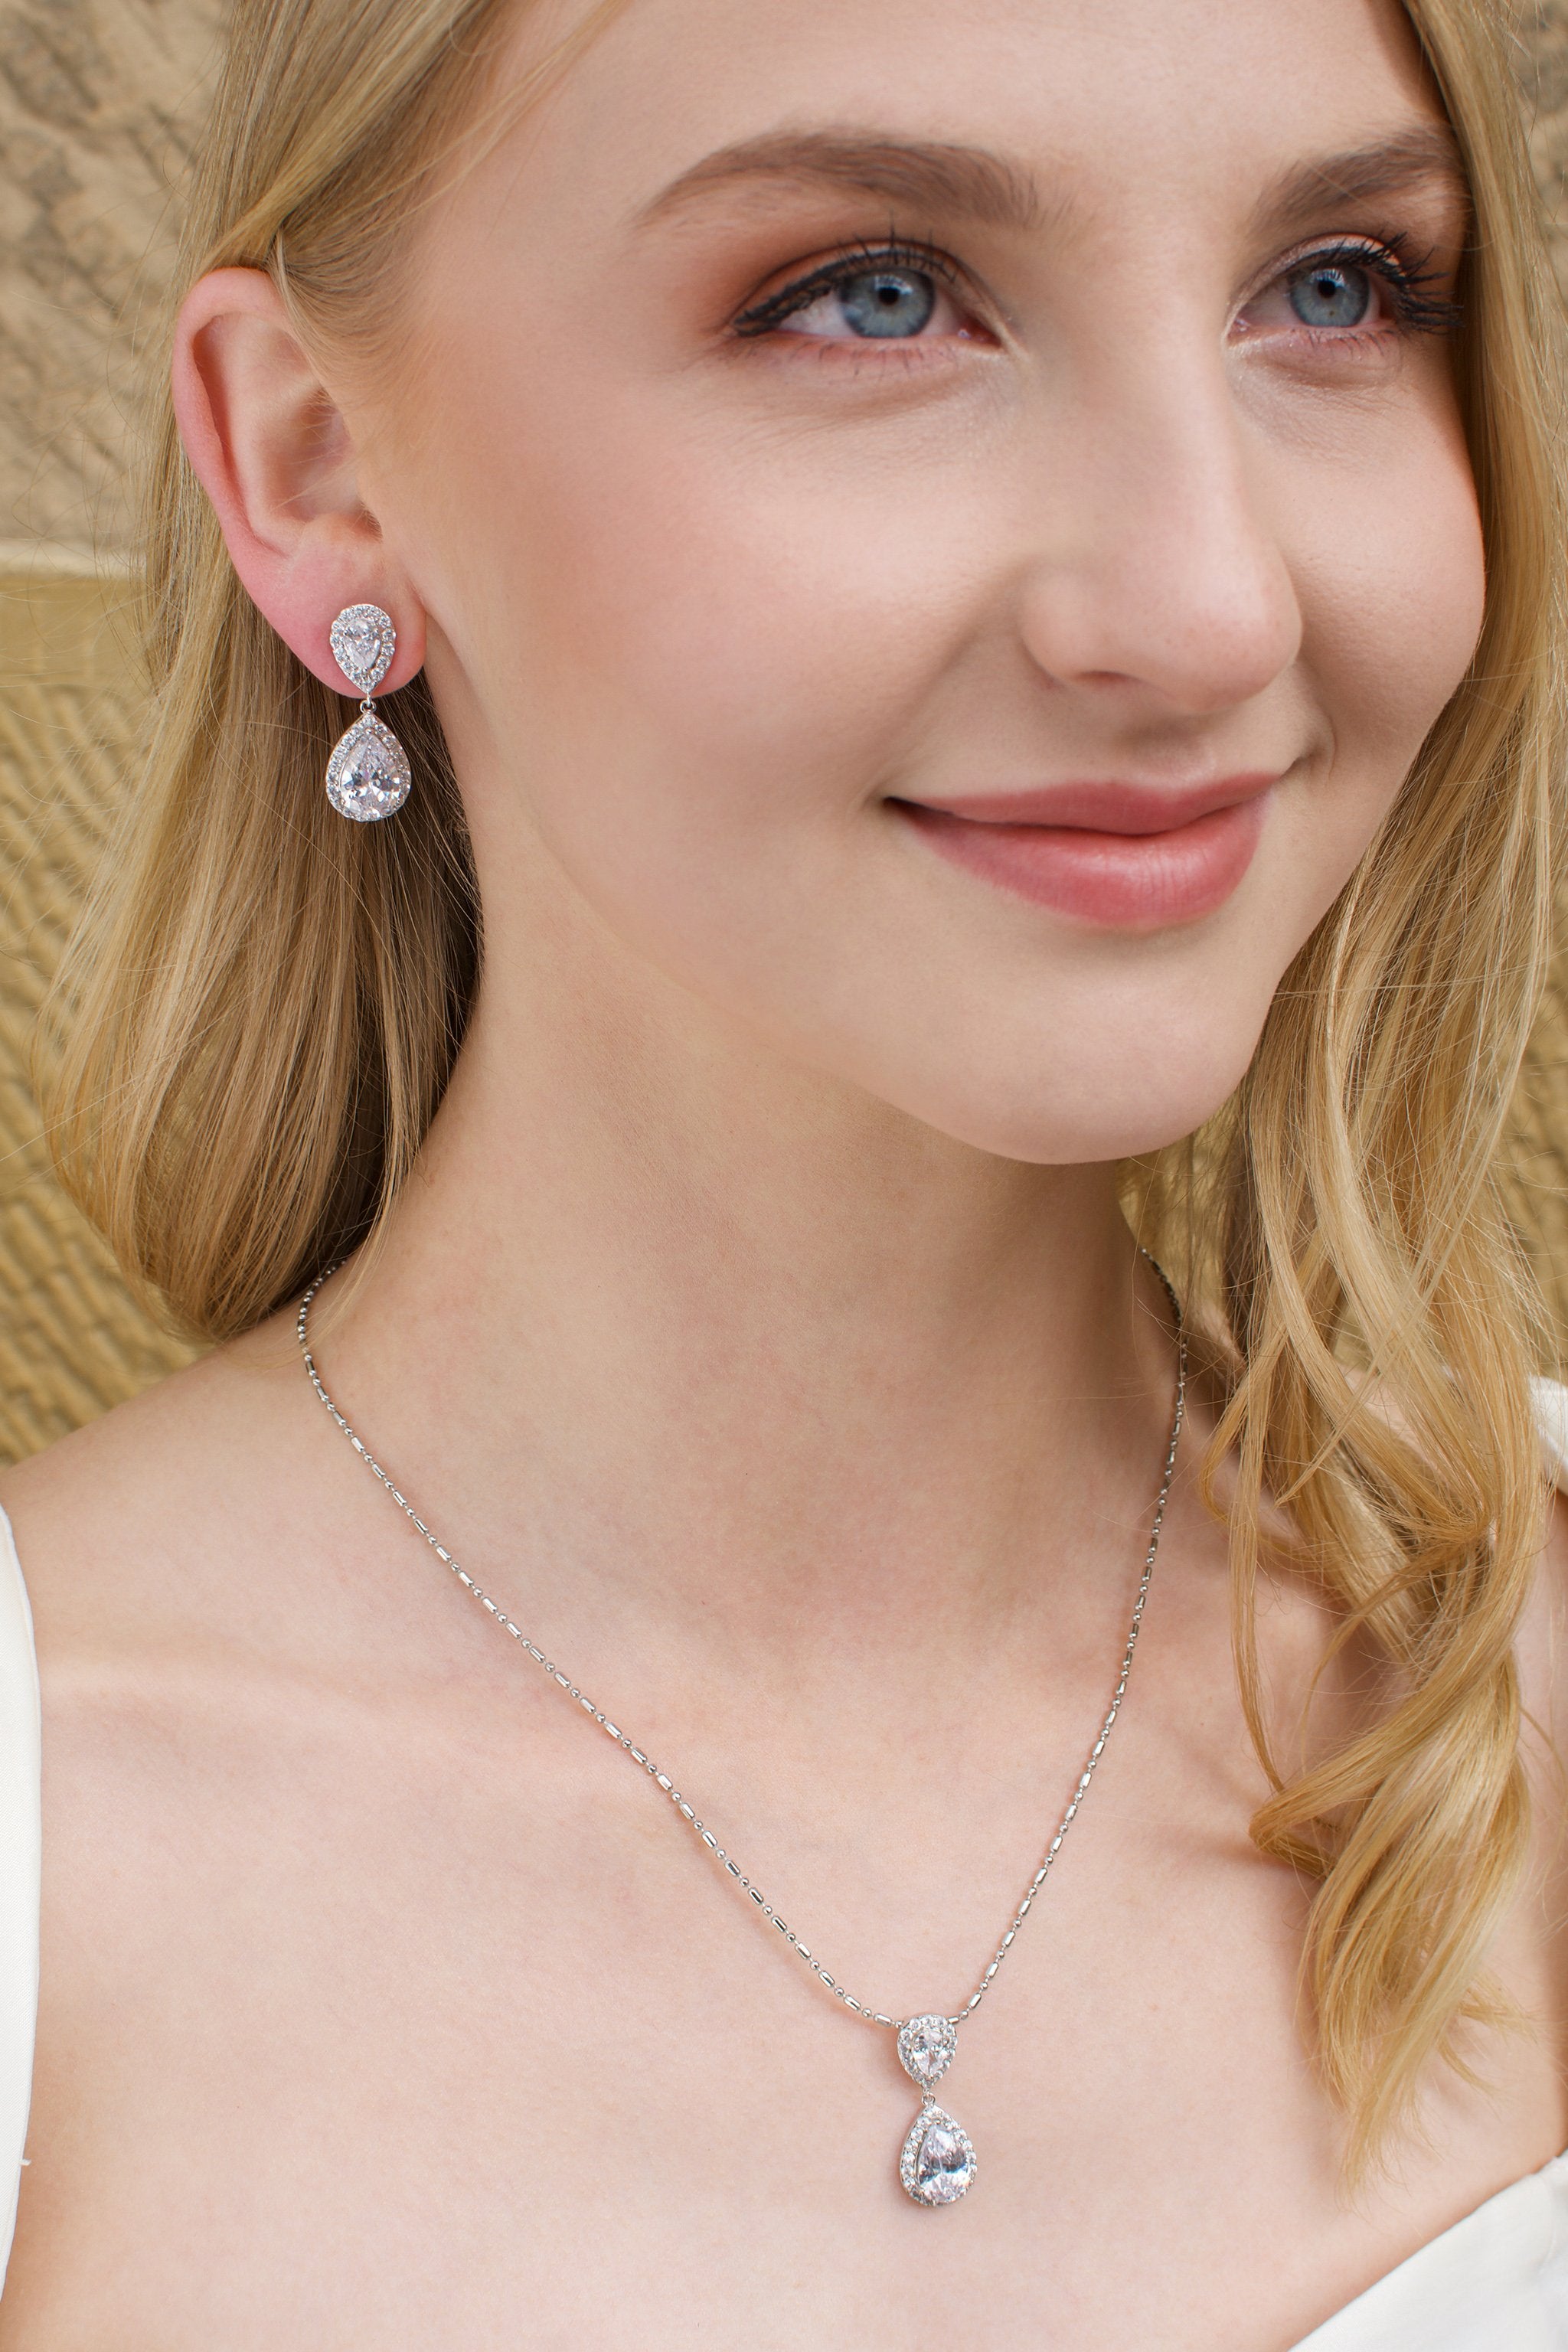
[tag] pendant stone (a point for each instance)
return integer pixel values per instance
(368, 774)
(936, 2164)
(364, 642)
(926, 2046)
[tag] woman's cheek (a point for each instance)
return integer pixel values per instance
(1392, 574)
(753, 662)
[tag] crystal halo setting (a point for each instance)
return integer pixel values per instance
(926, 2047)
(368, 775)
(364, 642)
(937, 2165)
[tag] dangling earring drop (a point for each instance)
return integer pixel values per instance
(368, 774)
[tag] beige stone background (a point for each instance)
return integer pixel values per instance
(98, 101)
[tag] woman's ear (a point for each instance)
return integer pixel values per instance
(272, 452)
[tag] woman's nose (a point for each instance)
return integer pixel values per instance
(1161, 566)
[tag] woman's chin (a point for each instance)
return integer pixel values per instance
(1059, 1118)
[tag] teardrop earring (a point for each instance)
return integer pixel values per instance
(368, 774)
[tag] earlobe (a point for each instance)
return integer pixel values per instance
(274, 456)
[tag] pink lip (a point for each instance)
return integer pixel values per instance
(1122, 856)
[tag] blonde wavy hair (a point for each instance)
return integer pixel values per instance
(262, 1006)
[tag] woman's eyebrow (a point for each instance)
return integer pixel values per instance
(967, 183)
(972, 184)
(1426, 155)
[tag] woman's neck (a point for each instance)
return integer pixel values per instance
(748, 1353)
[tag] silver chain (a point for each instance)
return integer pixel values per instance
(688, 1813)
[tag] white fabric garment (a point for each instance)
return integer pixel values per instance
(19, 1844)
(1496, 2282)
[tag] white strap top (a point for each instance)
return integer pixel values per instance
(1496, 2282)
(19, 1844)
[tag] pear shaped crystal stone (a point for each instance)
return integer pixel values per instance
(368, 774)
(364, 642)
(937, 2165)
(926, 2045)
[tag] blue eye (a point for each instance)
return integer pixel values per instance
(895, 295)
(886, 302)
(1331, 294)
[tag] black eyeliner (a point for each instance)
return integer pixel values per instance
(894, 253)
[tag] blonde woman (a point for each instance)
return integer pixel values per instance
(953, 592)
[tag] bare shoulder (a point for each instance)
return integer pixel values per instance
(138, 1525)
(203, 1588)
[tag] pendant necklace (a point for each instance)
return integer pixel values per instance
(937, 2163)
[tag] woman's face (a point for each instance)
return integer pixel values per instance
(944, 524)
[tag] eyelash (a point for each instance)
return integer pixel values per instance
(1419, 310)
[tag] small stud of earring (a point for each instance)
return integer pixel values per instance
(368, 774)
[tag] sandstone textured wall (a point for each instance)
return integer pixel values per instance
(99, 100)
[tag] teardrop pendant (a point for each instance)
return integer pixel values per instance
(368, 774)
(937, 2160)
(937, 2165)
